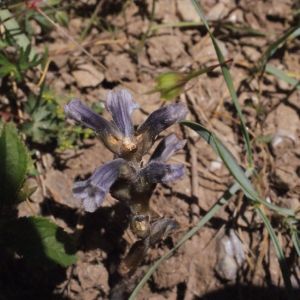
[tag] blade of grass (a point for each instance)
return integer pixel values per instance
(297, 12)
(279, 253)
(229, 83)
(296, 33)
(176, 24)
(200, 224)
(296, 241)
(91, 21)
(233, 166)
(276, 45)
(245, 30)
(282, 75)
(14, 29)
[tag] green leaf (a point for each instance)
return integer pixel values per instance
(282, 75)
(45, 122)
(98, 107)
(62, 18)
(52, 2)
(228, 81)
(279, 253)
(41, 20)
(296, 241)
(38, 131)
(39, 241)
(233, 166)
(31, 169)
(4, 61)
(24, 193)
(12, 26)
(4, 71)
(277, 45)
(13, 164)
(24, 54)
(264, 138)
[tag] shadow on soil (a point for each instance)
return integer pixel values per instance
(242, 292)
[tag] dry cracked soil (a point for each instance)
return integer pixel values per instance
(200, 268)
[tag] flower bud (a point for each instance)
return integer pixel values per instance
(170, 84)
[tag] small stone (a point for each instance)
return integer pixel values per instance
(257, 42)
(251, 53)
(294, 99)
(60, 188)
(75, 25)
(60, 60)
(93, 276)
(67, 78)
(186, 11)
(74, 286)
(283, 124)
(230, 256)
(120, 66)
(164, 11)
(157, 297)
(90, 294)
(204, 52)
(251, 19)
(287, 119)
(36, 27)
(285, 177)
(217, 12)
(283, 85)
(164, 49)
(278, 11)
(281, 141)
(88, 76)
(290, 203)
(237, 16)
(59, 86)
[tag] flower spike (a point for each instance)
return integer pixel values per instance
(126, 177)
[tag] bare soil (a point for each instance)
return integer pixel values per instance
(270, 106)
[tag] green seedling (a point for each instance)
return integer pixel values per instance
(46, 122)
(17, 66)
(36, 239)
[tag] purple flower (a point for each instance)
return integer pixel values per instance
(167, 147)
(119, 137)
(93, 190)
(156, 171)
(120, 106)
(124, 177)
(138, 190)
(108, 133)
(160, 120)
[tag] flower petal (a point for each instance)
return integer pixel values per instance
(159, 172)
(161, 229)
(121, 106)
(167, 147)
(160, 120)
(107, 132)
(94, 200)
(93, 190)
